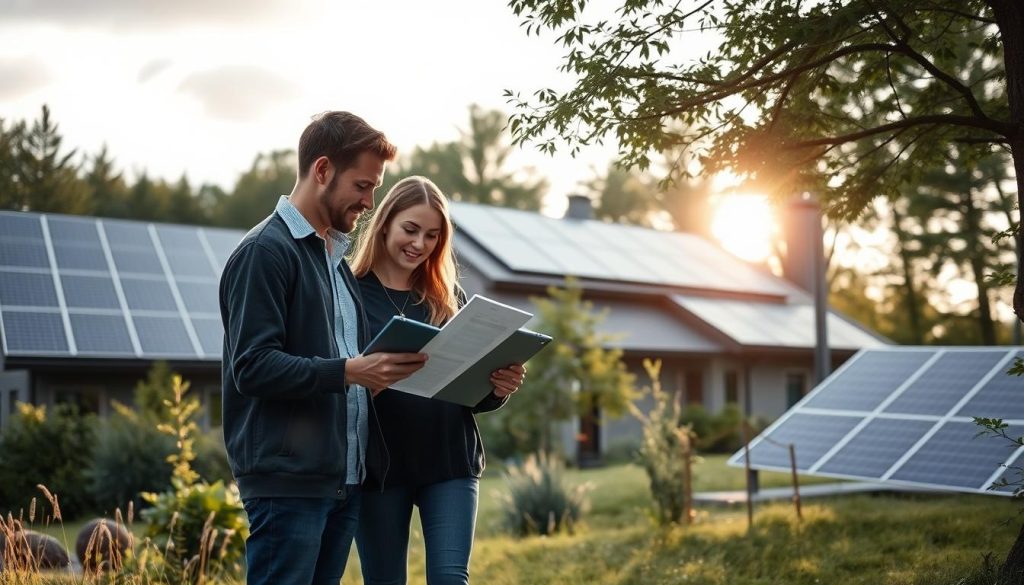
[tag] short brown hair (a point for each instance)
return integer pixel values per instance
(341, 137)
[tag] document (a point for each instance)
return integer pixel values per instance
(483, 336)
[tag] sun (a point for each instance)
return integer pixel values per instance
(745, 225)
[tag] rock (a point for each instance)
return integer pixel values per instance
(101, 545)
(33, 551)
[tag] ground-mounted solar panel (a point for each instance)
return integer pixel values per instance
(905, 415)
(200, 297)
(210, 333)
(20, 225)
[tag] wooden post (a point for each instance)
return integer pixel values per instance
(687, 477)
(796, 482)
(746, 465)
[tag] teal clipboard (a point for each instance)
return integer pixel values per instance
(402, 335)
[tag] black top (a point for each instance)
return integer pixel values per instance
(283, 378)
(429, 441)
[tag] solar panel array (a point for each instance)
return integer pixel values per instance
(78, 286)
(905, 415)
(528, 242)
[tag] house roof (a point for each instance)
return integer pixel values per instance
(696, 297)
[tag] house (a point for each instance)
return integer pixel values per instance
(87, 304)
(726, 331)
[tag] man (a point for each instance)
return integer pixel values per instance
(295, 385)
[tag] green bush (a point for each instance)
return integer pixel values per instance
(200, 526)
(212, 457)
(665, 438)
(50, 449)
(539, 501)
(130, 457)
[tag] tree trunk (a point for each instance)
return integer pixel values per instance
(1009, 15)
(972, 228)
(913, 308)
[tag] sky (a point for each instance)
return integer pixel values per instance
(201, 86)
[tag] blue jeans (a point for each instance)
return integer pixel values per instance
(448, 517)
(299, 541)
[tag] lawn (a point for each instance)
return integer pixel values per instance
(882, 539)
(893, 539)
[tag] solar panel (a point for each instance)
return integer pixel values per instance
(148, 295)
(101, 334)
(163, 336)
(210, 333)
(34, 332)
(904, 415)
(138, 260)
(528, 242)
(79, 257)
(89, 292)
(20, 225)
(23, 252)
(200, 297)
(28, 289)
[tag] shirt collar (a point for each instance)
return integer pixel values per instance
(300, 227)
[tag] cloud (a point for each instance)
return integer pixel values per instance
(140, 12)
(238, 92)
(152, 69)
(20, 76)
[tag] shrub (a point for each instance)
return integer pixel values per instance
(130, 457)
(662, 449)
(201, 526)
(52, 449)
(539, 501)
(211, 457)
(715, 433)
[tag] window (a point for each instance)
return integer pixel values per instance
(732, 387)
(796, 382)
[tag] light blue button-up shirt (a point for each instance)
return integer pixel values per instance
(346, 336)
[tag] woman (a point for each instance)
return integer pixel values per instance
(405, 266)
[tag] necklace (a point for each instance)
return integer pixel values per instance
(401, 310)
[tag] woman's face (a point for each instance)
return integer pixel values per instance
(411, 236)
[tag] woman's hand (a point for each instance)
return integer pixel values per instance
(508, 380)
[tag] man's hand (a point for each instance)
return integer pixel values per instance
(377, 371)
(508, 380)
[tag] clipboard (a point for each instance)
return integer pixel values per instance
(471, 386)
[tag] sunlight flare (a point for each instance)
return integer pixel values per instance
(745, 225)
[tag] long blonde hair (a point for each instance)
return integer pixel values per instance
(433, 280)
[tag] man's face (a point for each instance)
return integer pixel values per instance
(350, 192)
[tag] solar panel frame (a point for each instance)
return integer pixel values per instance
(937, 421)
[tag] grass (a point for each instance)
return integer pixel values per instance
(883, 539)
(890, 539)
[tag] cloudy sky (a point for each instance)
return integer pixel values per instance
(202, 86)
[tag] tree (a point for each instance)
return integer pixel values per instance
(577, 374)
(798, 96)
(45, 178)
(623, 196)
(475, 167)
(256, 193)
(107, 187)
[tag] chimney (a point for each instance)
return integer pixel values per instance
(803, 233)
(804, 266)
(580, 207)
